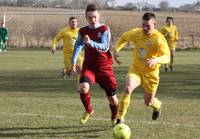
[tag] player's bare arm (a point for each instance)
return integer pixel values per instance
(116, 57)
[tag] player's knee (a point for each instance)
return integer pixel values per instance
(128, 90)
(113, 100)
(147, 102)
(84, 87)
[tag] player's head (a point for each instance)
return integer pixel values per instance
(169, 20)
(92, 15)
(148, 22)
(73, 23)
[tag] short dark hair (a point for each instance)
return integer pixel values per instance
(147, 16)
(169, 17)
(90, 8)
(71, 18)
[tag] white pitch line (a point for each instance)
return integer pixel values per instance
(31, 114)
(103, 119)
(154, 123)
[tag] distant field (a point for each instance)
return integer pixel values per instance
(36, 103)
(38, 30)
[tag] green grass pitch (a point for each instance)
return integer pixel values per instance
(35, 102)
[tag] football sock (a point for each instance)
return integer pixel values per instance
(171, 60)
(156, 104)
(114, 110)
(124, 104)
(85, 99)
(78, 79)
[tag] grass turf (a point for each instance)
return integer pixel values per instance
(35, 102)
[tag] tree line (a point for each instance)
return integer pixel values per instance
(102, 4)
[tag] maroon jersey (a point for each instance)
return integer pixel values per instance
(95, 59)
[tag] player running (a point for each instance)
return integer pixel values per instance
(3, 37)
(150, 51)
(171, 35)
(69, 36)
(97, 65)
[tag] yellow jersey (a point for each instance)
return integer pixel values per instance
(69, 36)
(146, 46)
(170, 33)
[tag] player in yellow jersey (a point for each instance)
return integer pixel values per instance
(171, 35)
(69, 36)
(150, 51)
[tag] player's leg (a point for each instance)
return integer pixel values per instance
(132, 82)
(79, 68)
(172, 54)
(106, 79)
(150, 85)
(4, 44)
(152, 101)
(166, 67)
(1, 45)
(86, 79)
(85, 99)
(66, 61)
(114, 106)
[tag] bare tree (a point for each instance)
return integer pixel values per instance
(164, 5)
(109, 3)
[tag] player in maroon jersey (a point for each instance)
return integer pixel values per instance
(97, 65)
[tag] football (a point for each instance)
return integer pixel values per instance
(121, 131)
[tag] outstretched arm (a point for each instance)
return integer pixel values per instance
(120, 44)
(56, 39)
(77, 49)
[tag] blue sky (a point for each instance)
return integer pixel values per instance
(172, 3)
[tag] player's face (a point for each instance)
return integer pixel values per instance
(92, 18)
(169, 22)
(148, 26)
(73, 23)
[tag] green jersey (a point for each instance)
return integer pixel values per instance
(3, 34)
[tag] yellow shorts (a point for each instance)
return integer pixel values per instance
(149, 80)
(172, 45)
(68, 61)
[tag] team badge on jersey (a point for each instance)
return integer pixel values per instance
(149, 43)
(142, 53)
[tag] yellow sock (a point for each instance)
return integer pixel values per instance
(171, 63)
(78, 79)
(124, 104)
(156, 105)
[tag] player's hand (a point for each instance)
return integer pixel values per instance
(74, 68)
(68, 72)
(151, 62)
(116, 57)
(86, 39)
(53, 50)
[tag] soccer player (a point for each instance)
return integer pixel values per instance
(3, 37)
(69, 36)
(150, 51)
(171, 35)
(97, 65)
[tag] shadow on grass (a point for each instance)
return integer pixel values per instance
(35, 81)
(184, 81)
(65, 131)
